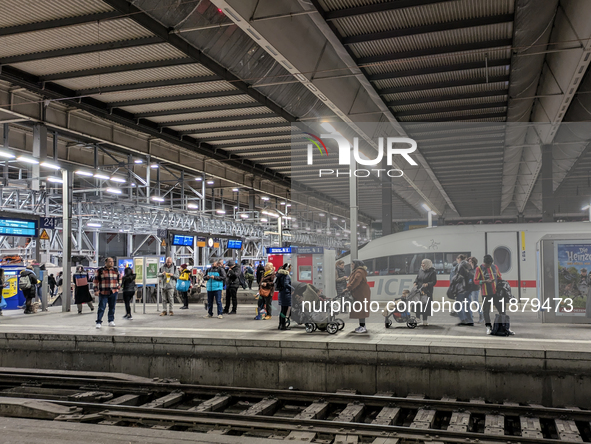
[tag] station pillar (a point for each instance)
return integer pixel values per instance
(386, 202)
(547, 185)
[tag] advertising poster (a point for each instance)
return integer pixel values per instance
(573, 265)
(124, 263)
(139, 270)
(152, 270)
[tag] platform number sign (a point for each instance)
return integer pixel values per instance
(49, 222)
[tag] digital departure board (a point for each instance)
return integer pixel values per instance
(235, 244)
(18, 227)
(182, 241)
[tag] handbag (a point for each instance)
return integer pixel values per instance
(264, 292)
(81, 281)
(3, 303)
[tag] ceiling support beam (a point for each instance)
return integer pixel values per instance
(143, 85)
(58, 23)
(177, 98)
(466, 118)
(236, 127)
(379, 7)
(438, 85)
(173, 112)
(439, 69)
(448, 109)
(443, 98)
(217, 120)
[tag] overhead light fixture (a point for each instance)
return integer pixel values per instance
(138, 161)
(286, 217)
(118, 179)
(154, 166)
(157, 199)
(193, 206)
(93, 224)
(282, 203)
(53, 166)
(586, 207)
(210, 182)
(220, 211)
(54, 179)
(113, 190)
(83, 173)
(328, 127)
(268, 213)
(264, 198)
(335, 218)
(426, 207)
(235, 190)
(28, 159)
(321, 214)
(288, 205)
(6, 154)
(263, 219)
(199, 179)
(101, 176)
(244, 216)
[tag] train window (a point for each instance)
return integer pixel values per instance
(369, 263)
(381, 267)
(400, 263)
(502, 257)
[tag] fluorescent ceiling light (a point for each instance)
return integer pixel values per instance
(83, 173)
(235, 190)
(244, 216)
(102, 176)
(288, 205)
(282, 203)
(138, 161)
(328, 127)
(6, 154)
(287, 217)
(118, 179)
(193, 206)
(93, 224)
(426, 207)
(157, 199)
(335, 218)
(53, 166)
(199, 179)
(54, 179)
(264, 198)
(263, 219)
(210, 182)
(321, 214)
(586, 207)
(154, 165)
(114, 190)
(220, 211)
(28, 159)
(268, 213)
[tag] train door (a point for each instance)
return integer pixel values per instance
(504, 248)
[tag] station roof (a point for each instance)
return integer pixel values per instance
(239, 81)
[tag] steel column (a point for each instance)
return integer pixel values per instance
(547, 185)
(353, 208)
(67, 239)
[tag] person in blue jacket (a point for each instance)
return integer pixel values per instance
(215, 277)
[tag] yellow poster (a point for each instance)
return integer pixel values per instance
(11, 289)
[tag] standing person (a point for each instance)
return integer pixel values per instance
(52, 284)
(28, 285)
(425, 281)
(129, 289)
(168, 275)
(249, 275)
(260, 272)
(284, 288)
(215, 276)
(59, 281)
(107, 283)
(82, 289)
(361, 292)
(341, 278)
(487, 276)
(232, 284)
(267, 285)
(463, 270)
(475, 288)
(183, 285)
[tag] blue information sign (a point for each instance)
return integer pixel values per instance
(310, 250)
(235, 244)
(18, 227)
(284, 250)
(183, 241)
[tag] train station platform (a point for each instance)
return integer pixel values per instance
(543, 363)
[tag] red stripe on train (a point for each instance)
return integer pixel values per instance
(524, 284)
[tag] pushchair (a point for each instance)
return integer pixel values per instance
(403, 316)
(322, 321)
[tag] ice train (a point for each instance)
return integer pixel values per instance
(393, 261)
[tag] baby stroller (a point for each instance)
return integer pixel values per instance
(403, 316)
(322, 321)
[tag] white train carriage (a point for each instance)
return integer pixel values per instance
(393, 261)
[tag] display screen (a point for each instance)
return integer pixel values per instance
(18, 227)
(182, 241)
(235, 244)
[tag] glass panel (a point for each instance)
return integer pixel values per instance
(381, 267)
(502, 257)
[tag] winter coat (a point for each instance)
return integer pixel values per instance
(128, 282)
(51, 282)
(233, 277)
(166, 283)
(360, 291)
(28, 274)
(285, 292)
(260, 272)
(341, 280)
(215, 278)
(428, 277)
(267, 281)
(82, 292)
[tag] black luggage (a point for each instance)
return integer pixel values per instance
(501, 326)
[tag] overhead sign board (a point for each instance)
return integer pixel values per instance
(309, 250)
(18, 227)
(49, 222)
(284, 250)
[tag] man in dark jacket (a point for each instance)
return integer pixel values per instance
(284, 287)
(463, 274)
(232, 284)
(28, 285)
(52, 284)
(260, 272)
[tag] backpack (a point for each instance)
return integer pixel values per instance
(242, 280)
(59, 281)
(501, 325)
(24, 284)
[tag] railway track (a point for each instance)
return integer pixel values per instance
(342, 417)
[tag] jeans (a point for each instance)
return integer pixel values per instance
(269, 304)
(474, 298)
(231, 296)
(103, 300)
(486, 301)
(127, 298)
(218, 300)
(167, 298)
(465, 313)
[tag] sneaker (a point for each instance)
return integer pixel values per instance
(125, 316)
(111, 324)
(362, 330)
(266, 318)
(454, 314)
(184, 308)
(207, 316)
(419, 322)
(80, 312)
(163, 313)
(356, 330)
(425, 324)
(92, 309)
(511, 332)
(233, 312)
(225, 311)
(129, 318)
(284, 328)
(488, 330)
(98, 325)
(171, 314)
(465, 324)
(220, 317)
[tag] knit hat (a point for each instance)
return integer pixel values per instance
(184, 266)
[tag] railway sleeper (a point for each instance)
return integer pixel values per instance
(531, 427)
(267, 406)
(217, 403)
(346, 439)
(567, 430)
(165, 401)
(27, 408)
(351, 413)
(387, 416)
(301, 436)
(424, 419)
(316, 410)
(494, 425)
(459, 422)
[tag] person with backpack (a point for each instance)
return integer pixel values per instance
(474, 288)
(59, 282)
(129, 289)
(82, 289)
(183, 285)
(168, 276)
(488, 276)
(259, 273)
(283, 286)
(27, 283)
(215, 277)
(267, 288)
(249, 275)
(107, 283)
(461, 280)
(232, 285)
(52, 284)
